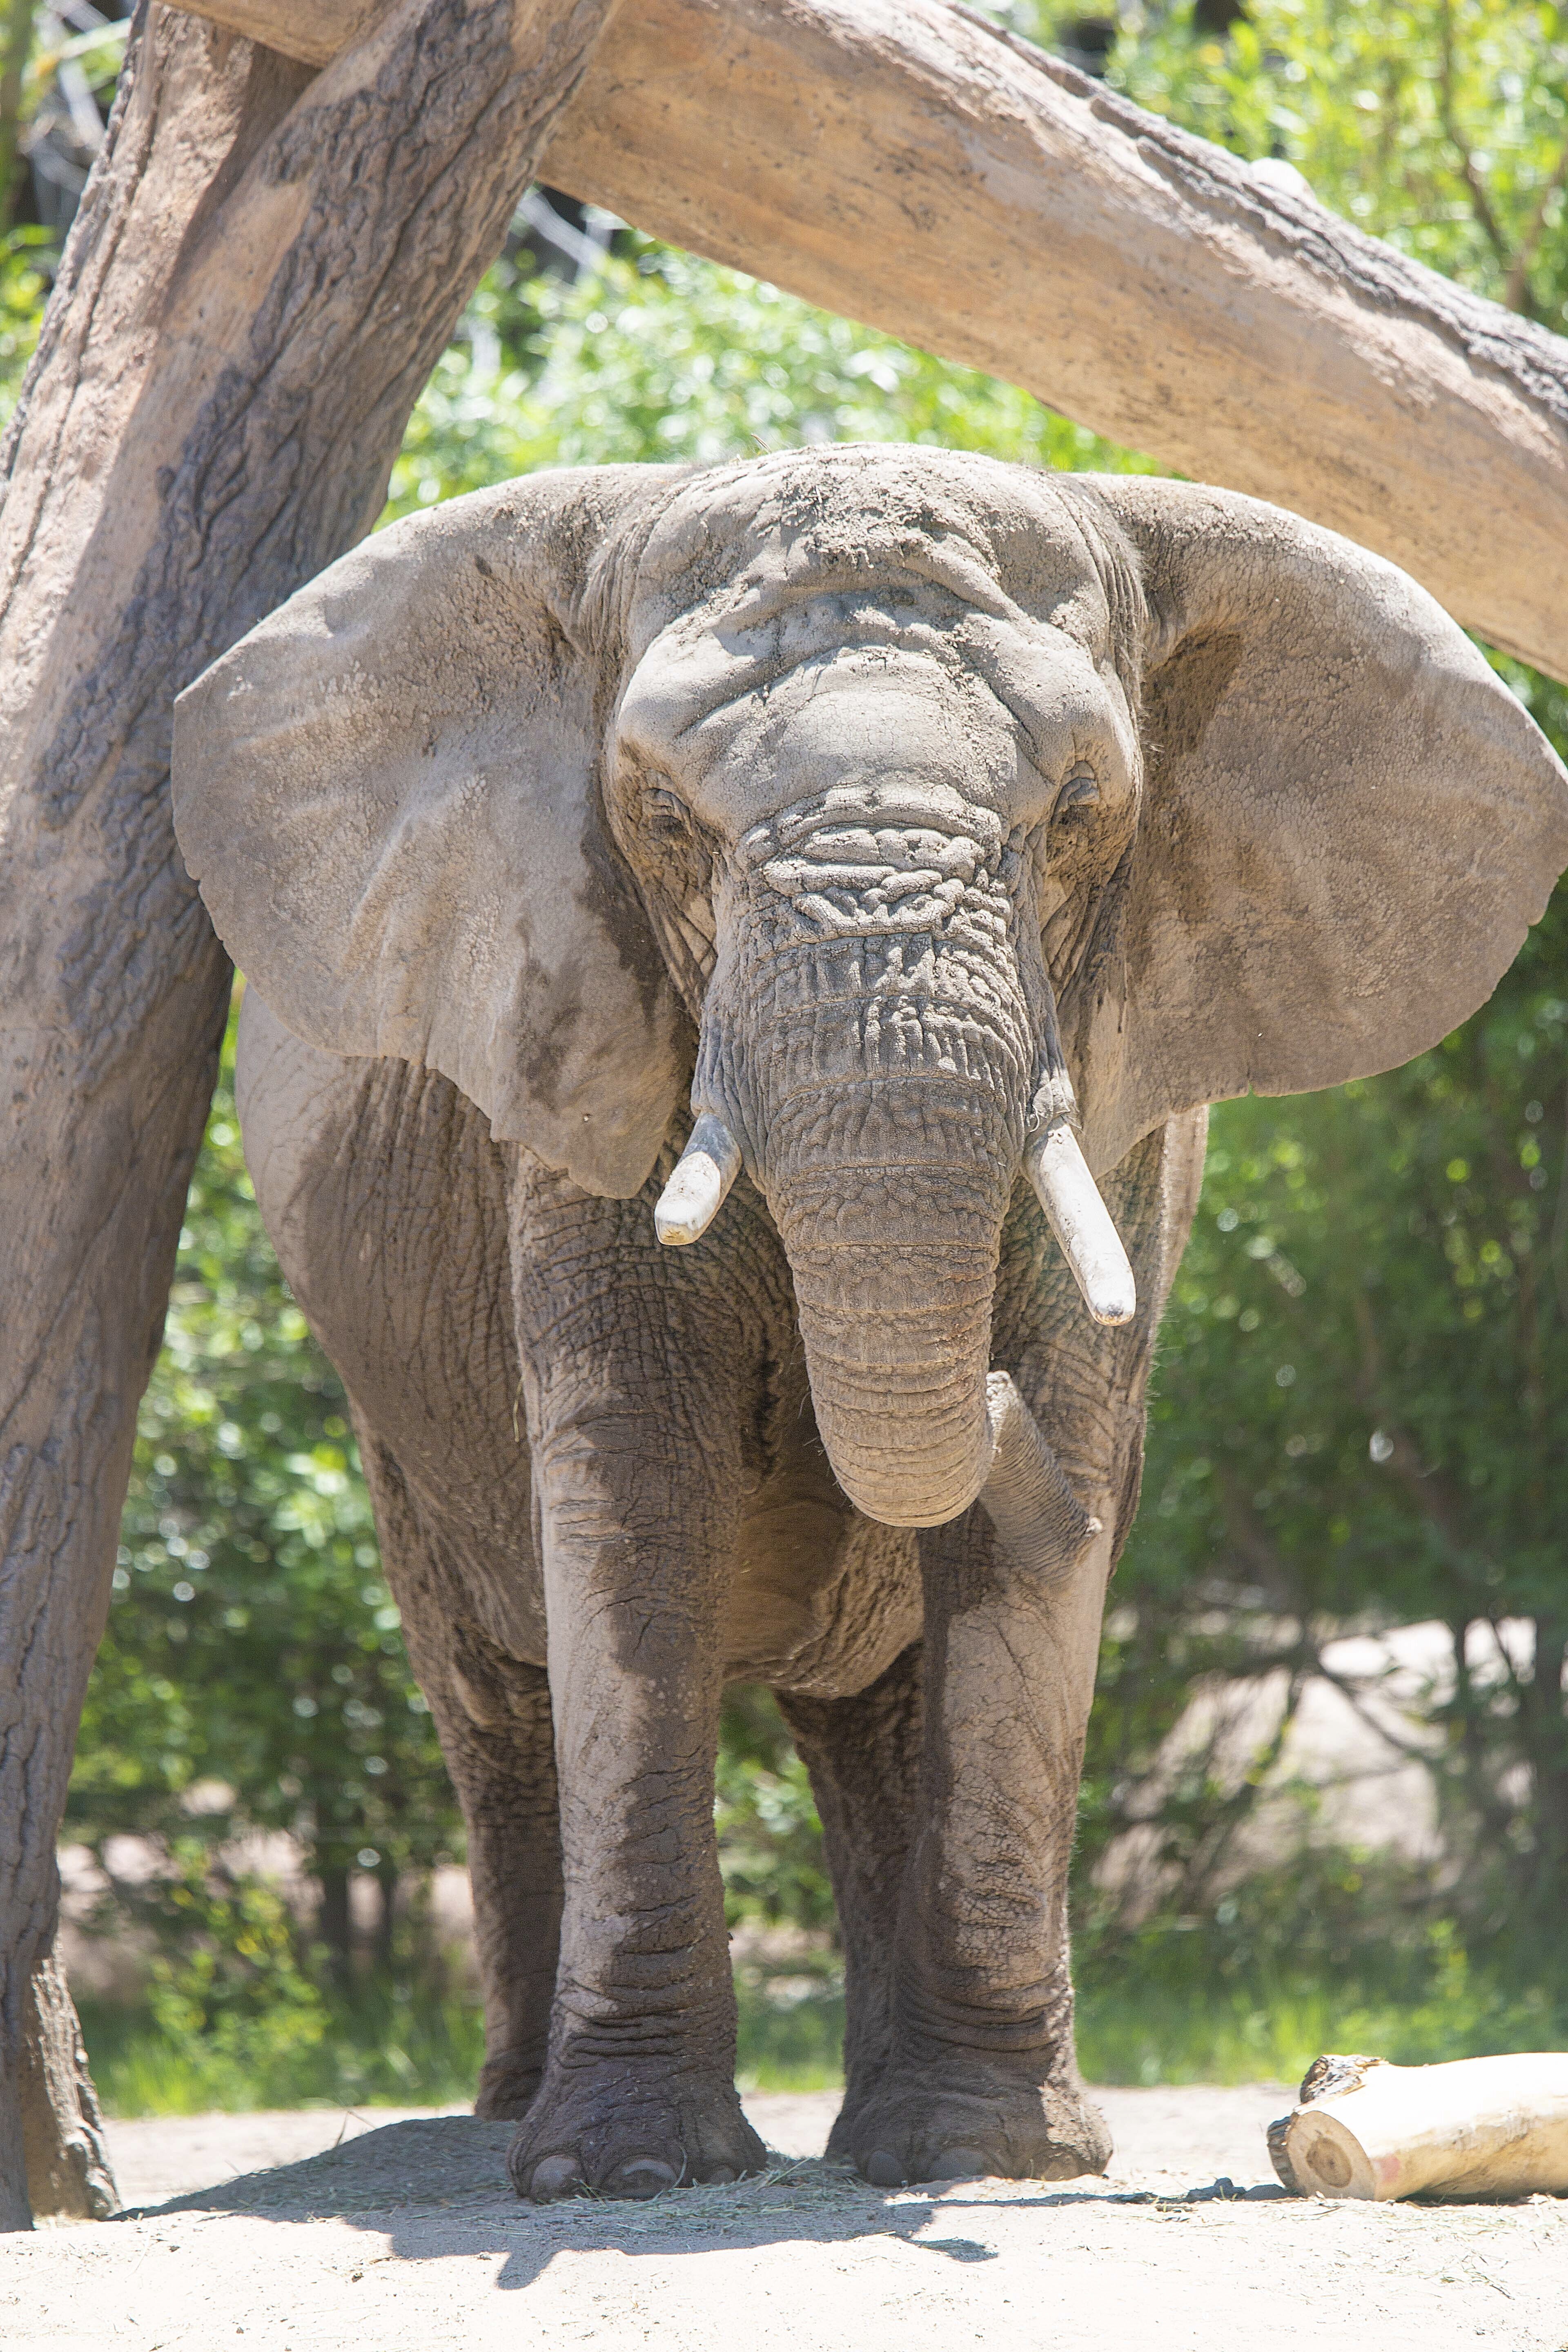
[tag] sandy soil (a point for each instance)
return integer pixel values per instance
(316, 2232)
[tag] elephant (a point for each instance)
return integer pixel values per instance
(738, 959)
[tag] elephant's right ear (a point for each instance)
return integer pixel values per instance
(389, 793)
(1348, 823)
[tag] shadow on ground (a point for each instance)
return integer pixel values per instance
(427, 2183)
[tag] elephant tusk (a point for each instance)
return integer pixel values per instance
(1081, 1223)
(695, 1193)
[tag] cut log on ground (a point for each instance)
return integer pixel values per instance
(1481, 2127)
(264, 270)
(906, 163)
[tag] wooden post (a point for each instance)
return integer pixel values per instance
(906, 163)
(263, 272)
(1482, 2127)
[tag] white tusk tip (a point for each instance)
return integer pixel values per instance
(1081, 1223)
(695, 1193)
(690, 1202)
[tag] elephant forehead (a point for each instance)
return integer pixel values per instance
(857, 711)
(1001, 704)
(740, 542)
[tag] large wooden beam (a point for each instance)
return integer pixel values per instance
(905, 163)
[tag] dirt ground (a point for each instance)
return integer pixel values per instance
(316, 2232)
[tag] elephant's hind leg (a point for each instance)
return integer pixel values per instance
(863, 1754)
(492, 1713)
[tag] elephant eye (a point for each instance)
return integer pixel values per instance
(1080, 790)
(1078, 797)
(665, 814)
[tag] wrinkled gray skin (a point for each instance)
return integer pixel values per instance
(871, 799)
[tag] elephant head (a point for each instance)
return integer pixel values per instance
(930, 819)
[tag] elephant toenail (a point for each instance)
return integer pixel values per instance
(722, 2176)
(643, 2176)
(555, 2176)
(883, 2170)
(959, 2164)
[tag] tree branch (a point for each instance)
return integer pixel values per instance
(1516, 287)
(1481, 202)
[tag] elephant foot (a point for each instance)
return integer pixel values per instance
(605, 2129)
(508, 2086)
(938, 2123)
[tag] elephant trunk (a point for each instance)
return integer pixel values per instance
(880, 1085)
(879, 1044)
(894, 1260)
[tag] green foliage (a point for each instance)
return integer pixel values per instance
(24, 257)
(402, 2042)
(1166, 2017)
(664, 357)
(1362, 1412)
(389, 2043)
(1322, 1952)
(769, 1840)
(1441, 125)
(227, 1980)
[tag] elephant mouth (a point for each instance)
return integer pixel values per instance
(915, 1385)
(1084, 1230)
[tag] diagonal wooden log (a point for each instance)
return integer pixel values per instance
(264, 270)
(906, 164)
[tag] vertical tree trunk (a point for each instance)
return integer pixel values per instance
(264, 270)
(385, 1917)
(334, 1922)
(62, 2131)
(1543, 1736)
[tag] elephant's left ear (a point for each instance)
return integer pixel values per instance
(1349, 822)
(389, 793)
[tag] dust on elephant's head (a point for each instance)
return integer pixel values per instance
(891, 802)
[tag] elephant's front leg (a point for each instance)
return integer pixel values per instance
(982, 2076)
(634, 1370)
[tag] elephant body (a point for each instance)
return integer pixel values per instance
(407, 1234)
(922, 829)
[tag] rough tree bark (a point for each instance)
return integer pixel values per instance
(906, 163)
(67, 2166)
(264, 270)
